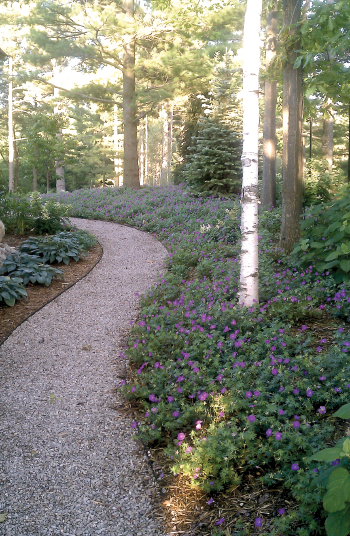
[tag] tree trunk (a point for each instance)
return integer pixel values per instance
(60, 179)
(146, 149)
(118, 177)
(47, 181)
(142, 155)
(16, 166)
(249, 276)
(292, 189)
(131, 165)
(10, 126)
(170, 144)
(268, 188)
(327, 135)
(310, 146)
(165, 148)
(35, 180)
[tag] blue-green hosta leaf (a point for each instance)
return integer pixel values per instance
(338, 493)
(338, 523)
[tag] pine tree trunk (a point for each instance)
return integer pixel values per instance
(35, 180)
(16, 165)
(165, 148)
(327, 136)
(292, 189)
(131, 165)
(249, 276)
(268, 188)
(60, 179)
(10, 126)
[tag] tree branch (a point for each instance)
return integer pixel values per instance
(78, 93)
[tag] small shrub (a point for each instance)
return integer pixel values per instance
(325, 241)
(85, 239)
(55, 248)
(11, 289)
(30, 213)
(29, 268)
(336, 478)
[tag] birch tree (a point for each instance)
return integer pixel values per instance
(249, 276)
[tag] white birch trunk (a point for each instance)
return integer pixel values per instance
(60, 179)
(10, 126)
(165, 143)
(146, 150)
(249, 276)
(170, 144)
(118, 168)
(142, 154)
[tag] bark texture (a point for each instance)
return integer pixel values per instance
(165, 148)
(118, 167)
(249, 275)
(10, 127)
(35, 180)
(292, 189)
(131, 164)
(327, 135)
(60, 178)
(268, 188)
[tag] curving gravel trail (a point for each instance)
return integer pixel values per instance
(68, 464)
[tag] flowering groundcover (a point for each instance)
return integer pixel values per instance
(226, 389)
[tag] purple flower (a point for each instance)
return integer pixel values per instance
(210, 501)
(256, 393)
(203, 396)
(296, 424)
(281, 412)
(170, 398)
(223, 390)
(181, 436)
(281, 511)
(278, 436)
(248, 394)
(336, 462)
(268, 432)
(309, 392)
(258, 522)
(337, 389)
(251, 418)
(318, 348)
(175, 414)
(296, 391)
(188, 450)
(134, 424)
(274, 371)
(295, 467)
(321, 378)
(220, 521)
(322, 410)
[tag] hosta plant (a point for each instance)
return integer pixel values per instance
(336, 501)
(58, 248)
(29, 268)
(11, 289)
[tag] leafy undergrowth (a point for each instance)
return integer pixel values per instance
(230, 393)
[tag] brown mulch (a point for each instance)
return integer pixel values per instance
(39, 295)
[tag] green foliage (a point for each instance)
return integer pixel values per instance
(336, 500)
(214, 164)
(325, 240)
(11, 289)
(29, 268)
(85, 239)
(62, 247)
(30, 213)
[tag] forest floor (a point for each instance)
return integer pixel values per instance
(40, 295)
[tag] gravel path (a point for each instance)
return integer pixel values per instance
(67, 459)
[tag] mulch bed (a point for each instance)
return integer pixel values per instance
(39, 295)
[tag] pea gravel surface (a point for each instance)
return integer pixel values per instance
(68, 463)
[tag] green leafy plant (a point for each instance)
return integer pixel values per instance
(329, 247)
(55, 248)
(336, 500)
(85, 239)
(11, 289)
(29, 268)
(31, 213)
